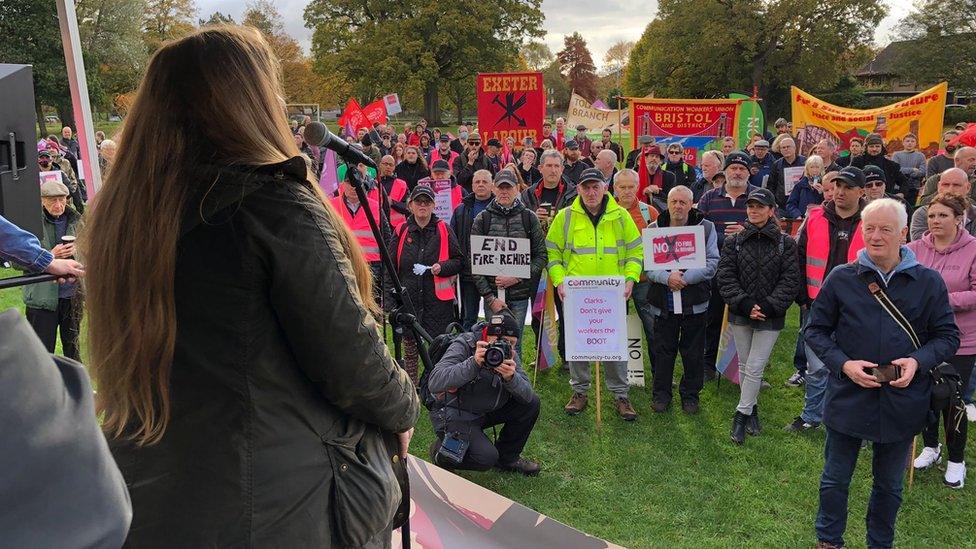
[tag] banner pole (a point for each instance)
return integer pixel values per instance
(620, 132)
(911, 466)
(599, 416)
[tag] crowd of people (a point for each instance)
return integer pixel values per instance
(263, 272)
(899, 221)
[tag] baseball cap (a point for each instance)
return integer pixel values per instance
(44, 152)
(852, 176)
(494, 142)
(440, 165)
(591, 174)
(572, 144)
(874, 139)
(445, 138)
(506, 177)
(780, 122)
(762, 196)
(580, 128)
(422, 190)
(874, 173)
(738, 157)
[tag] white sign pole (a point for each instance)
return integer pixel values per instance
(596, 318)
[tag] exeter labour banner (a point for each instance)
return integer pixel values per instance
(511, 105)
(694, 123)
(921, 115)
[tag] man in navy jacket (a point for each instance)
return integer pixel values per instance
(853, 335)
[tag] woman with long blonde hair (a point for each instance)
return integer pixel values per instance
(244, 386)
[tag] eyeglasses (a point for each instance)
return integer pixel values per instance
(674, 152)
(422, 202)
(474, 142)
(872, 184)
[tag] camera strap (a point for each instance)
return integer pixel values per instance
(889, 306)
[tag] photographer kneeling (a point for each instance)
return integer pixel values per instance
(479, 383)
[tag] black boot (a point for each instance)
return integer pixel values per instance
(739, 427)
(752, 422)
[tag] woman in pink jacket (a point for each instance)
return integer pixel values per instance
(951, 251)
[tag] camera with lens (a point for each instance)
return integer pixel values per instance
(497, 352)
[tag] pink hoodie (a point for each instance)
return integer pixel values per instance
(957, 265)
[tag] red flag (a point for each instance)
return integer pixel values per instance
(354, 117)
(376, 112)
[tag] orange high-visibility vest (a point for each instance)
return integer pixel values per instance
(360, 225)
(443, 285)
(818, 248)
(435, 155)
(398, 192)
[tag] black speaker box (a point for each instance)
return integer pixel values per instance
(20, 190)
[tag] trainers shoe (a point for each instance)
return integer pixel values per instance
(524, 466)
(795, 380)
(659, 406)
(971, 412)
(576, 404)
(929, 457)
(763, 384)
(690, 407)
(799, 425)
(955, 476)
(828, 545)
(625, 410)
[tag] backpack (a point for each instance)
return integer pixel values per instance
(526, 220)
(436, 350)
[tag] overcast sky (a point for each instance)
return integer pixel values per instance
(601, 24)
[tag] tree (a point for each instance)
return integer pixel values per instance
(31, 36)
(617, 56)
(111, 39)
(557, 86)
(217, 18)
(167, 19)
(417, 46)
(771, 45)
(537, 56)
(943, 44)
(576, 63)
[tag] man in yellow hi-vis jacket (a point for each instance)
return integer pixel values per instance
(595, 237)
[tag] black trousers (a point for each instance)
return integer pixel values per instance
(517, 420)
(713, 329)
(46, 324)
(674, 334)
(955, 440)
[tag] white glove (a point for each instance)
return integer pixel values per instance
(419, 269)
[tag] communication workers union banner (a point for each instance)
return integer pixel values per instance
(511, 104)
(920, 114)
(694, 123)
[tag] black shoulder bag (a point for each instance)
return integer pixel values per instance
(946, 381)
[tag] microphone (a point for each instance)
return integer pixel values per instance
(318, 134)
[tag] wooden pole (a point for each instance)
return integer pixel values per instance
(599, 417)
(911, 464)
(620, 132)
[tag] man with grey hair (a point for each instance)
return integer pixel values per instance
(606, 162)
(625, 185)
(711, 164)
(952, 181)
(965, 160)
(777, 175)
(880, 387)
(554, 192)
(679, 300)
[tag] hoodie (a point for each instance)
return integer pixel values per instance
(894, 180)
(957, 265)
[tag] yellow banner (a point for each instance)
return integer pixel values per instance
(921, 115)
(582, 112)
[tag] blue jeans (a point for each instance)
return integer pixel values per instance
(799, 356)
(888, 466)
(816, 387)
(470, 300)
(519, 309)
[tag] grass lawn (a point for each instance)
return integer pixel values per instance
(672, 480)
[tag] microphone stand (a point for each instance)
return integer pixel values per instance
(403, 316)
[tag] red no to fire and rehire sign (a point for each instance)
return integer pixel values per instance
(511, 104)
